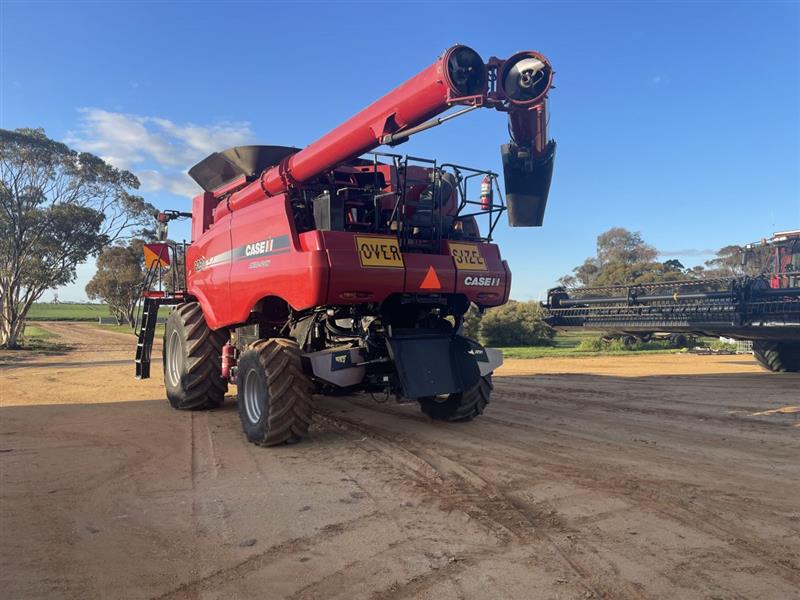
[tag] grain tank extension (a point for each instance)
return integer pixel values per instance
(330, 270)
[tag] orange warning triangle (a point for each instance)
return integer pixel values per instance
(431, 281)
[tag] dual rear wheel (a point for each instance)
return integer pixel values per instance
(274, 395)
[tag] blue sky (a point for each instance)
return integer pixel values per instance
(680, 120)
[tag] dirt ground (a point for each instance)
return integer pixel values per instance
(664, 476)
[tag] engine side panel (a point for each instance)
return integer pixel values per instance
(208, 269)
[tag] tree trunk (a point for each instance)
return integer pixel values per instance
(11, 324)
(14, 307)
(130, 315)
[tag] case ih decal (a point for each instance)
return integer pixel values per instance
(267, 247)
(482, 281)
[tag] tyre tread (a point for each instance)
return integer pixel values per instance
(289, 407)
(203, 386)
(777, 356)
(460, 408)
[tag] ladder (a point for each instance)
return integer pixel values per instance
(144, 345)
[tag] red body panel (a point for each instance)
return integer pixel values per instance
(255, 252)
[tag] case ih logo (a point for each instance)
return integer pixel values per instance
(265, 247)
(482, 281)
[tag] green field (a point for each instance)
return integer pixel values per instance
(574, 352)
(126, 329)
(569, 343)
(566, 343)
(33, 332)
(47, 311)
(35, 341)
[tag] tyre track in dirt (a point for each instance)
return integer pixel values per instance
(657, 495)
(457, 487)
(577, 483)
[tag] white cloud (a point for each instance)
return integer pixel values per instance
(157, 150)
(688, 252)
(179, 184)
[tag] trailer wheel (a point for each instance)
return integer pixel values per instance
(273, 392)
(192, 359)
(679, 340)
(629, 341)
(460, 407)
(777, 356)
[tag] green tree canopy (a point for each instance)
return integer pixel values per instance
(622, 258)
(516, 324)
(736, 261)
(57, 208)
(118, 279)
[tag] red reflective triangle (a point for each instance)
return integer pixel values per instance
(431, 281)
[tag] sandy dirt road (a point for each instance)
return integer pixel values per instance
(632, 477)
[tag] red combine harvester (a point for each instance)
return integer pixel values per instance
(324, 271)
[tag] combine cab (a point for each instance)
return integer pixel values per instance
(330, 270)
(763, 309)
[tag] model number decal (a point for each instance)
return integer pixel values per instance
(467, 257)
(482, 281)
(266, 247)
(379, 252)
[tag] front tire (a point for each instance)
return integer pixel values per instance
(274, 394)
(193, 360)
(777, 356)
(462, 406)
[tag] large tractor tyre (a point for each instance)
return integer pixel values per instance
(460, 407)
(777, 356)
(274, 394)
(193, 360)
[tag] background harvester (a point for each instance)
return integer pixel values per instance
(325, 270)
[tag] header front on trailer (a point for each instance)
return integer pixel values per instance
(763, 309)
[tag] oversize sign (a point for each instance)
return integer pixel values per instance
(379, 252)
(467, 257)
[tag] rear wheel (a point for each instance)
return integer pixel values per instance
(273, 392)
(193, 360)
(777, 356)
(460, 407)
